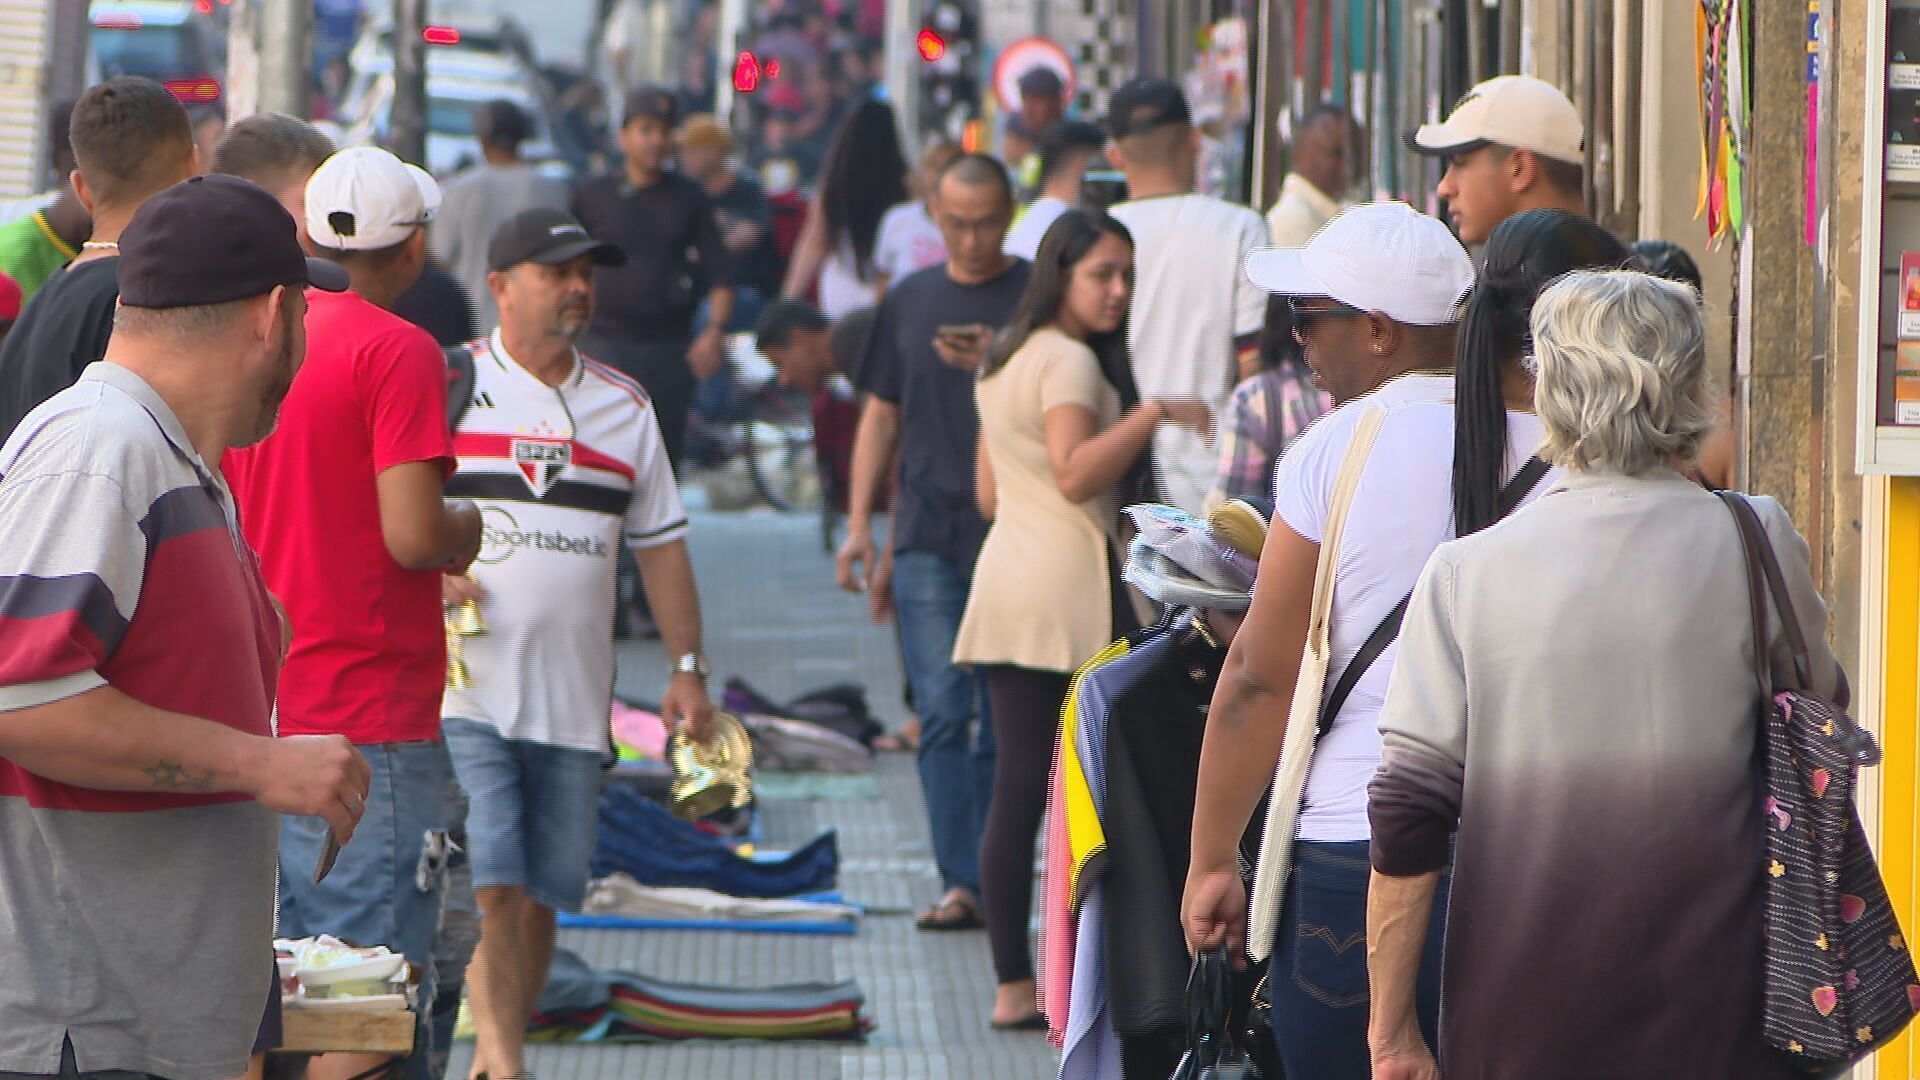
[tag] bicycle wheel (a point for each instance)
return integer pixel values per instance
(780, 463)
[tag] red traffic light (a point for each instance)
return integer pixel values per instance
(441, 35)
(773, 68)
(746, 73)
(931, 45)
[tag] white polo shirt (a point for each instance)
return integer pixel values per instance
(562, 475)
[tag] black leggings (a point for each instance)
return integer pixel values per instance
(1025, 706)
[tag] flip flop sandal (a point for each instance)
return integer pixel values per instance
(949, 915)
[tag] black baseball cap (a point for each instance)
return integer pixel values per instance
(548, 236)
(211, 240)
(1145, 104)
(657, 102)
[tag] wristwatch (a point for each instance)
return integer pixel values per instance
(692, 664)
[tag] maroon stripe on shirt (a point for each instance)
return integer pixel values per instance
(53, 627)
(204, 641)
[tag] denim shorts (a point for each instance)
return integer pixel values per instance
(532, 815)
(386, 888)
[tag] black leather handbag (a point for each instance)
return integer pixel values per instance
(1840, 980)
(1212, 1051)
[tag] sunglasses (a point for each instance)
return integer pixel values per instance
(1303, 316)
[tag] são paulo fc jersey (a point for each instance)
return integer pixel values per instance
(563, 476)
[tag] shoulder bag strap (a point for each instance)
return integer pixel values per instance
(1296, 748)
(461, 373)
(1746, 523)
(1383, 635)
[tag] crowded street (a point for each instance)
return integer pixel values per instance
(1256, 539)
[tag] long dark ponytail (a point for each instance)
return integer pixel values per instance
(1068, 240)
(1528, 252)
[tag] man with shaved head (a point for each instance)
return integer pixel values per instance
(1325, 147)
(927, 343)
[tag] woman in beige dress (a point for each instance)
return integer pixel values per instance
(1061, 431)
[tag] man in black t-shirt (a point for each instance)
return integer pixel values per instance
(644, 311)
(131, 140)
(928, 340)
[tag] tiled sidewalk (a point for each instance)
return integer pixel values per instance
(774, 616)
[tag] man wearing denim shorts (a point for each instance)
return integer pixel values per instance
(565, 459)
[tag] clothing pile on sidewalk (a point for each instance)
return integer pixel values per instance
(643, 840)
(582, 1004)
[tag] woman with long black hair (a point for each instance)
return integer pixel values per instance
(1061, 428)
(865, 174)
(1493, 370)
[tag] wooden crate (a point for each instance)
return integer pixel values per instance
(319, 1031)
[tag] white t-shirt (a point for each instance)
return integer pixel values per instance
(842, 289)
(562, 475)
(908, 241)
(1023, 239)
(1401, 512)
(1191, 300)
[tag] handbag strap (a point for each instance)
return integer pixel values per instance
(1344, 485)
(1383, 635)
(1764, 564)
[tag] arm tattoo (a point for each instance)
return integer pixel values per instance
(172, 776)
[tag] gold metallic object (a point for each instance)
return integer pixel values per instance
(458, 678)
(463, 621)
(713, 775)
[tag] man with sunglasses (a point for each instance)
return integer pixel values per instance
(1375, 297)
(1379, 304)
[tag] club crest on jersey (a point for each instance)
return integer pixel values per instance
(542, 461)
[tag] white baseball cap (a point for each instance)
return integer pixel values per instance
(364, 199)
(1517, 111)
(1384, 257)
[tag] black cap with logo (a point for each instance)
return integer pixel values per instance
(211, 240)
(548, 236)
(1145, 104)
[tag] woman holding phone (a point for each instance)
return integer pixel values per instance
(1062, 429)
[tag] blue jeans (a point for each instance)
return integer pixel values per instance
(387, 887)
(532, 812)
(1317, 982)
(956, 741)
(459, 933)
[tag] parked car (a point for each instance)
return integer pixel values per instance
(176, 43)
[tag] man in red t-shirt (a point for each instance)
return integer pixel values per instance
(344, 504)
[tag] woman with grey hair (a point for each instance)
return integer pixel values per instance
(1573, 722)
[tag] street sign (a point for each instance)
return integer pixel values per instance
(1023, 56)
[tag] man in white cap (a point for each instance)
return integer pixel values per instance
(1375, 297)
(1513, 143)
(344, 504)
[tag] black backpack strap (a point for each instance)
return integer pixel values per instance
(460, 376)
(1383, 635)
